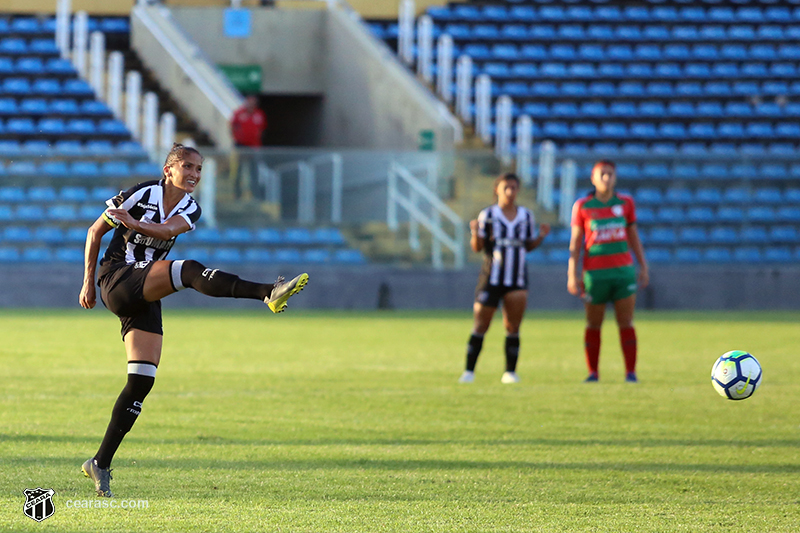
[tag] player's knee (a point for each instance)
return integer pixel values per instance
(184, 273)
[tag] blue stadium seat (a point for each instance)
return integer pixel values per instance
(81, 126)
(226, 255)
(753, 235)
(659, 255)
(99, 147)
(130, 147)
(48, 234)
(747, 254)
(37, 254)
(702, 130)
(330, 236)
(645, 215)
(730, 214)
(692, 235)
(112, 127)
(788, 214)
(42, 194)
(8, 106)
(514, 32)
(288, 255)
(485, 32)
(206, 236)
(784, 234)
(59, 66)
(648, 196)
(723, 235)
(708, 196)
(269, 236)
(773, 171)
(115, 168)
(43, 47)
(85, 168)
(94, 108)
(258, 255)
(717, 255)
(672, 130)
(656, 33)
(687, 255)
(12, 195)
(297, 236)
(651, 170)
(101, 194)
(777, 254)
(74, 194)
(63, 107)
(147, 169)
(700, 215)
(639, 148)
(717, 88)
(534, 52)
(9, 254)
(737, 195)
(761, 214)
(628, 170)
(69, 255)
(55, 169)
(29, 212)
(63, 213)
(22, 168)
(13, 46)
(47, 86)
(27, 25)
(679, 52)
(237, 235)
(679, 195)
(349, 256)
(792, 195)
(20, 126)
(664, 148)
(670, 214)
(662, 235)
(51, 126)
(317, 255)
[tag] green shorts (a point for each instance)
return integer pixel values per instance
(609, 285)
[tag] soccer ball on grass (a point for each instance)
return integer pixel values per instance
(736, 375)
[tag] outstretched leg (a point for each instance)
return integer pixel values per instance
(167, 277)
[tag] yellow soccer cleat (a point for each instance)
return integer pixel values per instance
(283, 291)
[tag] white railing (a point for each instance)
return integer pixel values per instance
(525, 150)
(502, 145)
(546, 176)
(425, 48)
(483, 108)
(569, 177)
(97, 62)
(80, 42)
(419, 200)
(464, 88)
(116, 72)
(405, 32)
(306, 171)
(444, 68)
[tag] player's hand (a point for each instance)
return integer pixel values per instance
(88, 297)
(574, 286)
(124, 217)
(544, 230)
(473, 226)
(644, 276)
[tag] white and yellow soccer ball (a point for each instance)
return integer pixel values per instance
(736, 375)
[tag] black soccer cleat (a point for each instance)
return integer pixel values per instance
(283, 290)
(100, 476)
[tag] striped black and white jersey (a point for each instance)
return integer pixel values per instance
(145, 202)
(504, 245)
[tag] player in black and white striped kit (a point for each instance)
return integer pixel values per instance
(134, 276)
(505, 232)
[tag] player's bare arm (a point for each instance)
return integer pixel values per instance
(544, 231)
(575, 241)
(172, 227)
(638, 250)
(475, 242)
(88, 295)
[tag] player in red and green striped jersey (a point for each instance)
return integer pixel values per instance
(604, 226)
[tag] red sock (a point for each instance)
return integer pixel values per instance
(591, 342)
(627, 338)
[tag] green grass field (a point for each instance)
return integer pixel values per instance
(350, 422)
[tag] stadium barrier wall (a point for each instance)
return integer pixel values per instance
(372, 286)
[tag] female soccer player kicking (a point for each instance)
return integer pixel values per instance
(604, 225)
(504, 232)
(134, 276)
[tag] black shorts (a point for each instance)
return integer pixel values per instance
(122, 292)
(491, 295)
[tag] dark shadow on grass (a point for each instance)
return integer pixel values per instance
(213, 440)
(396, 465)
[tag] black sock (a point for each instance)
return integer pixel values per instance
(141, 376)
(215, 282)
(512, 352)
(473, 351)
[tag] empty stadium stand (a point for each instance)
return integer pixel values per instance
(697, 101)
